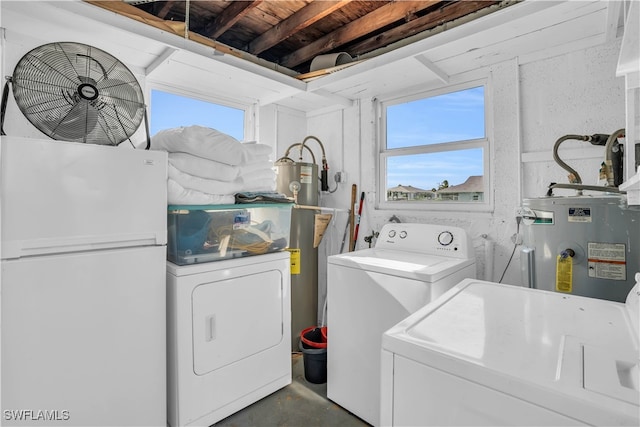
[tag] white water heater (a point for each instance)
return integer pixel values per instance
(581, 245)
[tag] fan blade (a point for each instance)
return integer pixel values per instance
(121, 95)
(76, 124)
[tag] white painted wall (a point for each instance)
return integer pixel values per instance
(281, 127)
(533, 105)
(576, 93)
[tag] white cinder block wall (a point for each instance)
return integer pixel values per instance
(533, 104)
(576, 93)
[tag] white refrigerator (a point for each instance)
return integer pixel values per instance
(83, 320)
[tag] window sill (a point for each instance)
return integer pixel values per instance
(462, 207)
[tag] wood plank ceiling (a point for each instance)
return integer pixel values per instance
(291, 33)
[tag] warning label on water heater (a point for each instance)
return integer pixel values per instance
(579, 215)
(607, 261)
(306, 175)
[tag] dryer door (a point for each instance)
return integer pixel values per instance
(236, 318)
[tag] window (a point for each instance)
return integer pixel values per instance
(169, 110)
(435, 150)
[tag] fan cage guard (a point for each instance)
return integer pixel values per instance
(75, 92)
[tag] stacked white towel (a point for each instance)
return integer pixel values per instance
(208, 167)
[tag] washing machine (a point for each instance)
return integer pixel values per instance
(370, 290)
(500, 355)
(228, 336)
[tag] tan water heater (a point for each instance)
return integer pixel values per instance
(300, 181)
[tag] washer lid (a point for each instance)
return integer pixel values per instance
(426, 268)
(574, 355)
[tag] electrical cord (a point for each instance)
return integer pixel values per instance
(518, 219)
(331, 191)
(3, 107)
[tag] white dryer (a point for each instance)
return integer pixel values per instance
(500, 355)
(229, 341)
(370, 290)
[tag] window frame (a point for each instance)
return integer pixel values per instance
(487, 205)
(250, 110)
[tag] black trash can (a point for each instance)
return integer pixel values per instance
(315, 363)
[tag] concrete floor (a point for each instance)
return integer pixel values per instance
(301, 403)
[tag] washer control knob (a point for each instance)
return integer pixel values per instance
(392, 233)
(403, 234)
(445, 238)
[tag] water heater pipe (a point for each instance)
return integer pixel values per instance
(325, 167)
(489, 247)
(324, 157)
(574, 176)
(580, 187)
(286, 153)
(608, 154)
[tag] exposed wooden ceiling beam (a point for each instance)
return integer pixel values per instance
(229, 16)
(303, 18)
(165, 9)
(384, 15)
(431, 20)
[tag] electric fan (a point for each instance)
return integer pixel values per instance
(75, 92)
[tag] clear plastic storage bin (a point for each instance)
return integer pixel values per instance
(199, 233)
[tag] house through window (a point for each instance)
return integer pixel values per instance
(434, 148)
